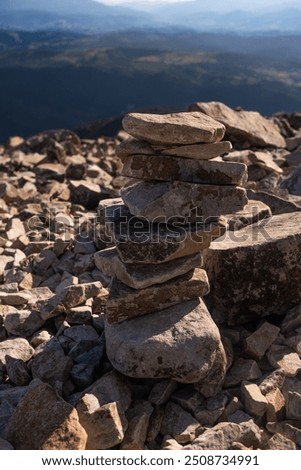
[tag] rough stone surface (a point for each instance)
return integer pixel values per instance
(247, 126)
(173, 129)
(255, 272)
(171, 201)
(276, 405)
(5, 445)
(196, 151)
(102, 423)
(138, 416)
(44, 421)
(242, 369)
(23, 323)
(293, 406)
(140, 276)
(179, 424)
(259, 342)
(125, 302)
(252, 212)
(152, 167)
(18, 348)
(146, 346)
(255, 403)
(284, 358)
(279, 442)
(151, 244)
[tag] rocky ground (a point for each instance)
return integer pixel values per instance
(58, 390)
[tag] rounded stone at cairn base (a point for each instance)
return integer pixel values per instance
(180, 343)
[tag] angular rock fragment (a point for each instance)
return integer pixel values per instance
(284, 358)
(125, 303)
(255, 403)
(173, 129)
(44, 421)
(293, 405)
(242, 369)
(179, 424)
(17, 348)
(279, 442)
(276, 405)
(102, 423)
(139, 416)
(259, 342)
(242, 125)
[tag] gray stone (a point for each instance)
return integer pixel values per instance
(81, 333)
(255, 403)
(292, 320)
(125, 302)
(105, 261)
(196, 151)
(51, 366)
(259, 342)
(250, 434)
(293, 405)
(23, 323)
(45, 421)
(146, 346)
(140, 276)
(272, 381)
(276, 406)
(187, 202)
(138, 416)
(286, 429)
(167, 168)
(242, 369)
(248, 270)
(277, 204)
(179, 424)
(252, 212)
(18, 348)
(173, 129)
(79, 315)
(102, 423)
(162, 391)
(7, 409)
(209, 440)
(17, 371)
(82, 375)
(279, 442)
(293, 182)
(86, 193)
(158, 243)
(215, 379)
(242, 125)
(284, 358)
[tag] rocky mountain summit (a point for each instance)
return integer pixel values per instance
(150, 291)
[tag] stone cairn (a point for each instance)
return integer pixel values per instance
(157, 325)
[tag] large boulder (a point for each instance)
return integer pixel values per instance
(242, 125)
(180, 342)
(256, 271)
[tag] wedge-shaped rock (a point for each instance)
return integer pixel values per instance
(243, 126)
(196, 151)
(173, 129)
(125, 303)
(140, 276)
(187, 202)
(44, 421)
(142, 242)
(179, 343)
(256, 271)
(102, 423)
(252, 213)
(150, 167)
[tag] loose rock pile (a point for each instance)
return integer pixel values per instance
(58, 386)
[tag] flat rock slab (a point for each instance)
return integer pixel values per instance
(178, 343)
(195, 151)
(140, 276)
(152, 167)
(174, 129)
(141, 242)
(125, 303)
(256, 271)
(247, 126)
(171, 201)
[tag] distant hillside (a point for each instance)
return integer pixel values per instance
(94, 17)
(68, 80)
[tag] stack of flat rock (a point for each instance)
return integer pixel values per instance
(157, 325)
